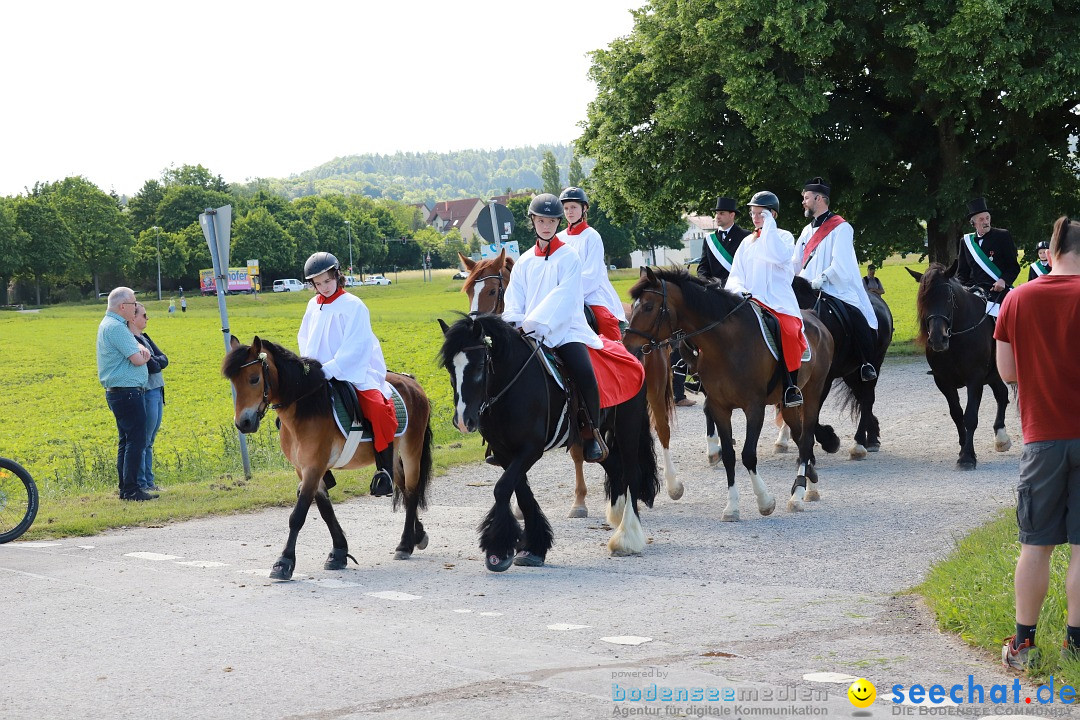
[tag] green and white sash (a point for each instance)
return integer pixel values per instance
(981, 258)
(719, 251)
(1040, 268)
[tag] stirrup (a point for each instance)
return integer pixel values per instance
(594, 449)
(867, 373)
(793, 396)
(381, 484)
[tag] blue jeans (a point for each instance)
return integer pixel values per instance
(127, 406)
(154, 402)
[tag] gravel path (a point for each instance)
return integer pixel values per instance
(761, 606)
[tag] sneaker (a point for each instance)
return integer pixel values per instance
(1017, 658)
(793, 396)
(685, 402)
(1070, 654)
(139, 496)
(868, 373)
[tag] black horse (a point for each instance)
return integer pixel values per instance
(959, 340)
(502, 390)
(858, 394)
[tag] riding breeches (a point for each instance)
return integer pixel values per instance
(380, 412)
(575, 357)
(861, 334)
(792, 341)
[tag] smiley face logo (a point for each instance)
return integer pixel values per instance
(862, 693)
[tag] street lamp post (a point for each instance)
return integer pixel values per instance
(348, 229)
(157, 242)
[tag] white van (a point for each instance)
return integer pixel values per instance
(288, 285)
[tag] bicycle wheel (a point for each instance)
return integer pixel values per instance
(18, 500)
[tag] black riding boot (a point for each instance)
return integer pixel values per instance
(792, 394)
(864, 343)
(575, 357)
(382, 483)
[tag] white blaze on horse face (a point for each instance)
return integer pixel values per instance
(461, 363)
(474, 304)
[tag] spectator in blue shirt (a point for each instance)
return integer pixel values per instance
(121, 363)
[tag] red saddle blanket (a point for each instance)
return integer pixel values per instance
(618, 373)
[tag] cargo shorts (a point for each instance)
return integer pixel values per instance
(1048, 496)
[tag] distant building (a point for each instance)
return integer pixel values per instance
(693, 242)
(460, 214)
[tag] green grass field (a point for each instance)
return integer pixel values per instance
(56, 422)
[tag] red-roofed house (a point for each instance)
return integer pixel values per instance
(460, 214)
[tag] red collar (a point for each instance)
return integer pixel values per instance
(577, 229)
(323, 300)
(554, 244)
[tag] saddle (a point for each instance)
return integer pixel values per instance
(565, 431)
(351, 421)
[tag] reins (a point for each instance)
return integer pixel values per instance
(487, 366)
(265, 404)
(677, 335)
(949, 333)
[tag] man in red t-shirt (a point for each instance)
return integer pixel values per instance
(1036, 334)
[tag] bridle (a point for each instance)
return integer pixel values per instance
(499, 295)
(265, 404)
(486, 347)
(675, 335)
(947, 319)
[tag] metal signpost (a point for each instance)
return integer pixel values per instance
(216, 226)
(495, 224)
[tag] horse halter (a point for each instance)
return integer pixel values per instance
(499, 294)
(486, 347)
(947, 319)
(650, 337)
(265, 372)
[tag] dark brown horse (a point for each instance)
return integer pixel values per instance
(958, 336)
(736, 369)
(486, 286)
(268, 376)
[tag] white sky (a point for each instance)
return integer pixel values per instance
(118, 90)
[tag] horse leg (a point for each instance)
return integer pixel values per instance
(578, 509)
(283, 568)
(956, 412)
(623, 476)
(781, 444)
(869, 432)
(339, 554)
(967, 460)
(799, 421)
(755, 420)
(858, 450)
(1001, 394)
(712, 439)
(662, 424)
(499, 530)
(538, 537)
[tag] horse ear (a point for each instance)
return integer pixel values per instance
(467, 261)
(914, 274)
(443, 325)
(233, 342)
(256, 345)
(647, 272)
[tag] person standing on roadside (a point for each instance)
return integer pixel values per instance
(153, 398)
(1035, 329)
(121, 364)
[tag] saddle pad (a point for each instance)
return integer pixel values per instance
(344, 422)
(547, 361)
(770, 339)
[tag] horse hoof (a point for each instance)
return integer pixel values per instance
(283, 569)
(780, 449)
(857, 452)
(579, 511)
(769, 507)
(675, 492)
(873, 447)
(402, 555)
(619, 551)
(499, 564)
(732, 516)
(714, 459)
(794, 505)
(421, 544)
(338, 559)
(528, 559)
(965, 465)
(812, 495)
(1003, 446)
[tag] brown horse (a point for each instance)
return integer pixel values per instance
(486, 286)
(267, 376)
(736, 369)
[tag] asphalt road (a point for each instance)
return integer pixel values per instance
(772, 616)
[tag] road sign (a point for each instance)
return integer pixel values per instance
(491, 250)
(503, 223)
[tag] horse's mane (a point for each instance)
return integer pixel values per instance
(804, 294)
(470, 328)
(704, 296)
(935, 276)
(296, 378)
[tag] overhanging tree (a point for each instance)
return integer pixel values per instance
(909, 109)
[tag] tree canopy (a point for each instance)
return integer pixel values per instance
(908, 109)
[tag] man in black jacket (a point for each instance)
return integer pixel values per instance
(987, 257)
(720, 246)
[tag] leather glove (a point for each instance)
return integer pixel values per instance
(817, 282)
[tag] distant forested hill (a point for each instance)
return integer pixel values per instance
(418, 177)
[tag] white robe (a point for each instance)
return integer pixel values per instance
(544, 298)
(762, 267)
(339, 335)
(835, 258)
(595, 284)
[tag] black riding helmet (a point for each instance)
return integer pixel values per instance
(319, 263)
(765, 199)
(1043, 245)
(574, 194)
(546, 205)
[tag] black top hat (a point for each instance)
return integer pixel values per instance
(726, 203)
(976, 206)
(817, 185)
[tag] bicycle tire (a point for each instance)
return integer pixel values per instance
(18, 500)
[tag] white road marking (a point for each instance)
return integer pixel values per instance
(830, 677)
(627, 639)
(35, 544)
(152, 556)
(392, 595)
(566, 626)
(491, 614)
(203, 563)
(463, 610)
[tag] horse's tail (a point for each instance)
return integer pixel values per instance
(424, 479)
(650, 476)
